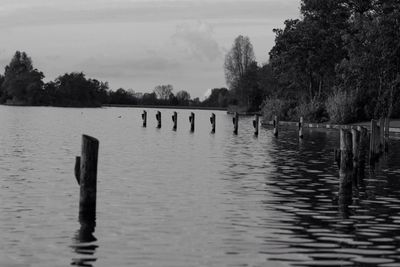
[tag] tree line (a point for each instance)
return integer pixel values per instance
(22, 84)
(339, 62)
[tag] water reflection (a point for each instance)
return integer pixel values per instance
(85, 243)
(330, 221)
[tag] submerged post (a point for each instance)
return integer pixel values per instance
(356, 151)
(363, 144)
(88, 177)
(191, 120)
(256, 123)
(276, 126)
(235, 123)
(381, 135)
(372, 142)
(175, 120)
(158, 117)
(387, 125)
(144, 118)
(301, 128)
(212, 120)
(346, 168)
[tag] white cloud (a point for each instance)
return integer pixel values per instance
(197, 39)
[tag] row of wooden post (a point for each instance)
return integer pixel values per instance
(275, 123)
(352, 155)
(256, 121)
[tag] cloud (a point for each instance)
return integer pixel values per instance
(198, 40)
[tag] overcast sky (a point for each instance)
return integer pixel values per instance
(139, 44)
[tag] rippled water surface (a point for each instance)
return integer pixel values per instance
(170, 198)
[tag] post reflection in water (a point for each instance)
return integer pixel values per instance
(85, 242)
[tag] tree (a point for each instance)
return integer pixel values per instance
(307, 51)
(218, 98)
(237, 61)
(163, 92)
(183, 98)
(22, 83)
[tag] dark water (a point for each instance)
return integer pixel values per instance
(187, 199)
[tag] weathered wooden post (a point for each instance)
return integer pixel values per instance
(212, 120)
(372, 142)
(191, 120)
(381, 135)
(363, 144)
(356, 152)
(387, 125)
(276, 126)
(158, 117)
(87, 177)
(256, 123)
(301, 127)
(346, 168)
(235, 120)
(144, 118)
(175, 120)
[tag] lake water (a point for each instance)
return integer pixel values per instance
(170, 198)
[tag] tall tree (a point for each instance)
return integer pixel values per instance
(163, 92)
(22, 83)
(183, 98)
(237, 62)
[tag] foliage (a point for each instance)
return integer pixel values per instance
(277, 106)
(218, 98)
(183, 98)
(163, 92)
(340, 107)
(22, 83)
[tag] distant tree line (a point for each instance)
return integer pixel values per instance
(340, 62)
(22, 84)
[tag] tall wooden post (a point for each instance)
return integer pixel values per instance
(175, 120)
(213, 122)
(256, 123)
(362, 150)
(276, 126)
(356, 152)
(158, 117)
(372, 142)
(235, 123)
(88, 177)
(381, 135)
(191, 120)
(346, 169)
(144, 118)
(301, 127)
(387, 125)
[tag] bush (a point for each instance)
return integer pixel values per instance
(276, 106)
(341, 107)
(313, 111)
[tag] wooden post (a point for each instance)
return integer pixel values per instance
(372, 140)
(381, 135)
(78, 169)
(191, 120)
(88, 177)
(346, 168)
(144, 118)
(235, 123)
(256, 123)
(212, 120)
(276, 126)
(301, 128)
(175, 120)
(362, 151)
(387, 125)
(356, 152)
(158, 117)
